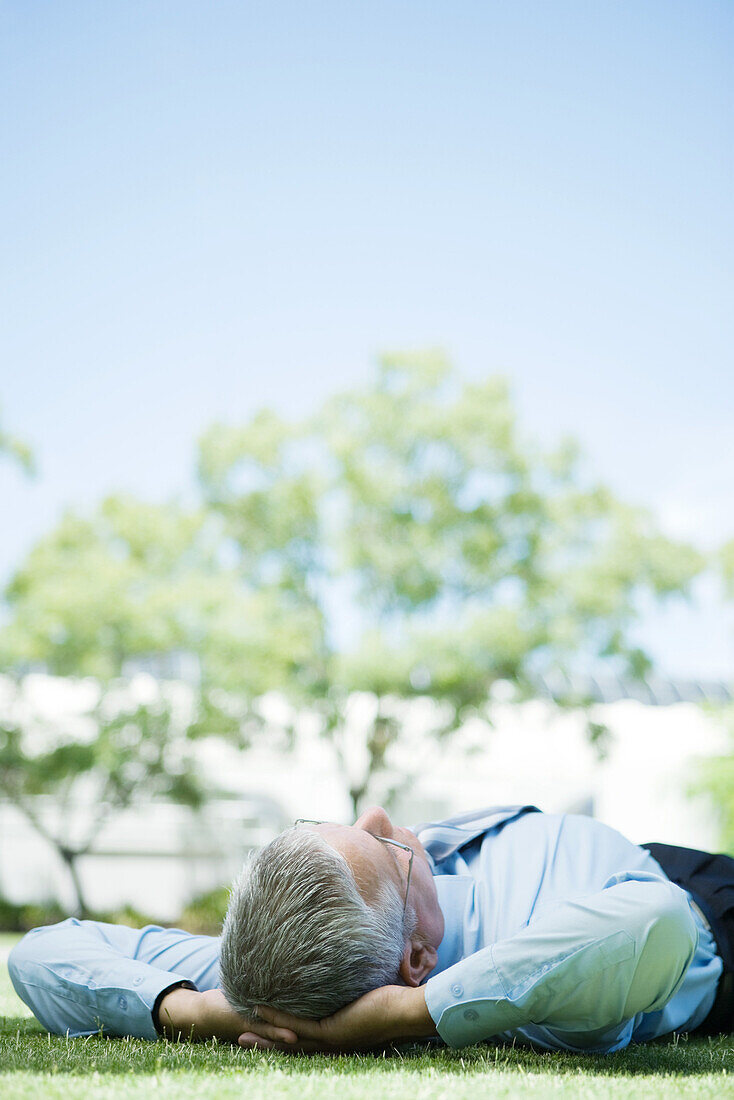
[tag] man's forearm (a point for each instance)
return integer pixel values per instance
(186, 1014)
(414, 1021)
(177, 1015)
(181, 1016)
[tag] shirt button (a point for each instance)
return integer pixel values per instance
(122, 1002)
(470, 1014)
(457, 990)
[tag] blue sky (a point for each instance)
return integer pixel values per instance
(211, 207)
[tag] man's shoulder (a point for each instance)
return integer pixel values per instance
(472, 819)
(442, 838)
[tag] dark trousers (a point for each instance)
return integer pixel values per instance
(709, 879)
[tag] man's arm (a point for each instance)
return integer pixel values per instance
(78, 977)
(577, 974)
(186, 1014)
(390, 1014)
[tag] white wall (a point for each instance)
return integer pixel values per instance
(157, 857)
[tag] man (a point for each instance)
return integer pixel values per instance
(509, 924)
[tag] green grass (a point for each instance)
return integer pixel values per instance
(34, 1065)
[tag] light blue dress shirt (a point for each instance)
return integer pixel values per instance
(563, 934)
(558, 932)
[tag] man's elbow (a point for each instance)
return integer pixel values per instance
(33, 950)
(667, 937)
(20, 960)
(22, 955)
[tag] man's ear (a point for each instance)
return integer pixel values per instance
(417, 962)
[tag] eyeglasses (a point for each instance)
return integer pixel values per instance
(384, 840)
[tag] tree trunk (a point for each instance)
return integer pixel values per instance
(70, 858)
(356, 794)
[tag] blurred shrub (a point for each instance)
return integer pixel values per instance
(21, 918)
(715, 779)
(128, 915)
(204, 914)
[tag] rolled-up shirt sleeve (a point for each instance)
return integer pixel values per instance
(577, 974)
(82, 977)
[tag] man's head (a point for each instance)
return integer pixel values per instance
(319, 917)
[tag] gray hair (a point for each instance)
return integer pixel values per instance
(299, 936)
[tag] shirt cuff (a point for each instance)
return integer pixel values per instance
(131, 1008)
(466, 1010)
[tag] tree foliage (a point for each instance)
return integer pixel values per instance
(727, 567)
(17, 450)
(130, 582)
(135, 580)
(433, 548)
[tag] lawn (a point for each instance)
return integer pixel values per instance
(34, 1065)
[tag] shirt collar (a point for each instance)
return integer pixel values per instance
(454, 893)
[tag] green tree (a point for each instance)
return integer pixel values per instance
(433, 549)
(132, 582)
(404, 542)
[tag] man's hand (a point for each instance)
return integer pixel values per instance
(393, 1013)
(187, 1014)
